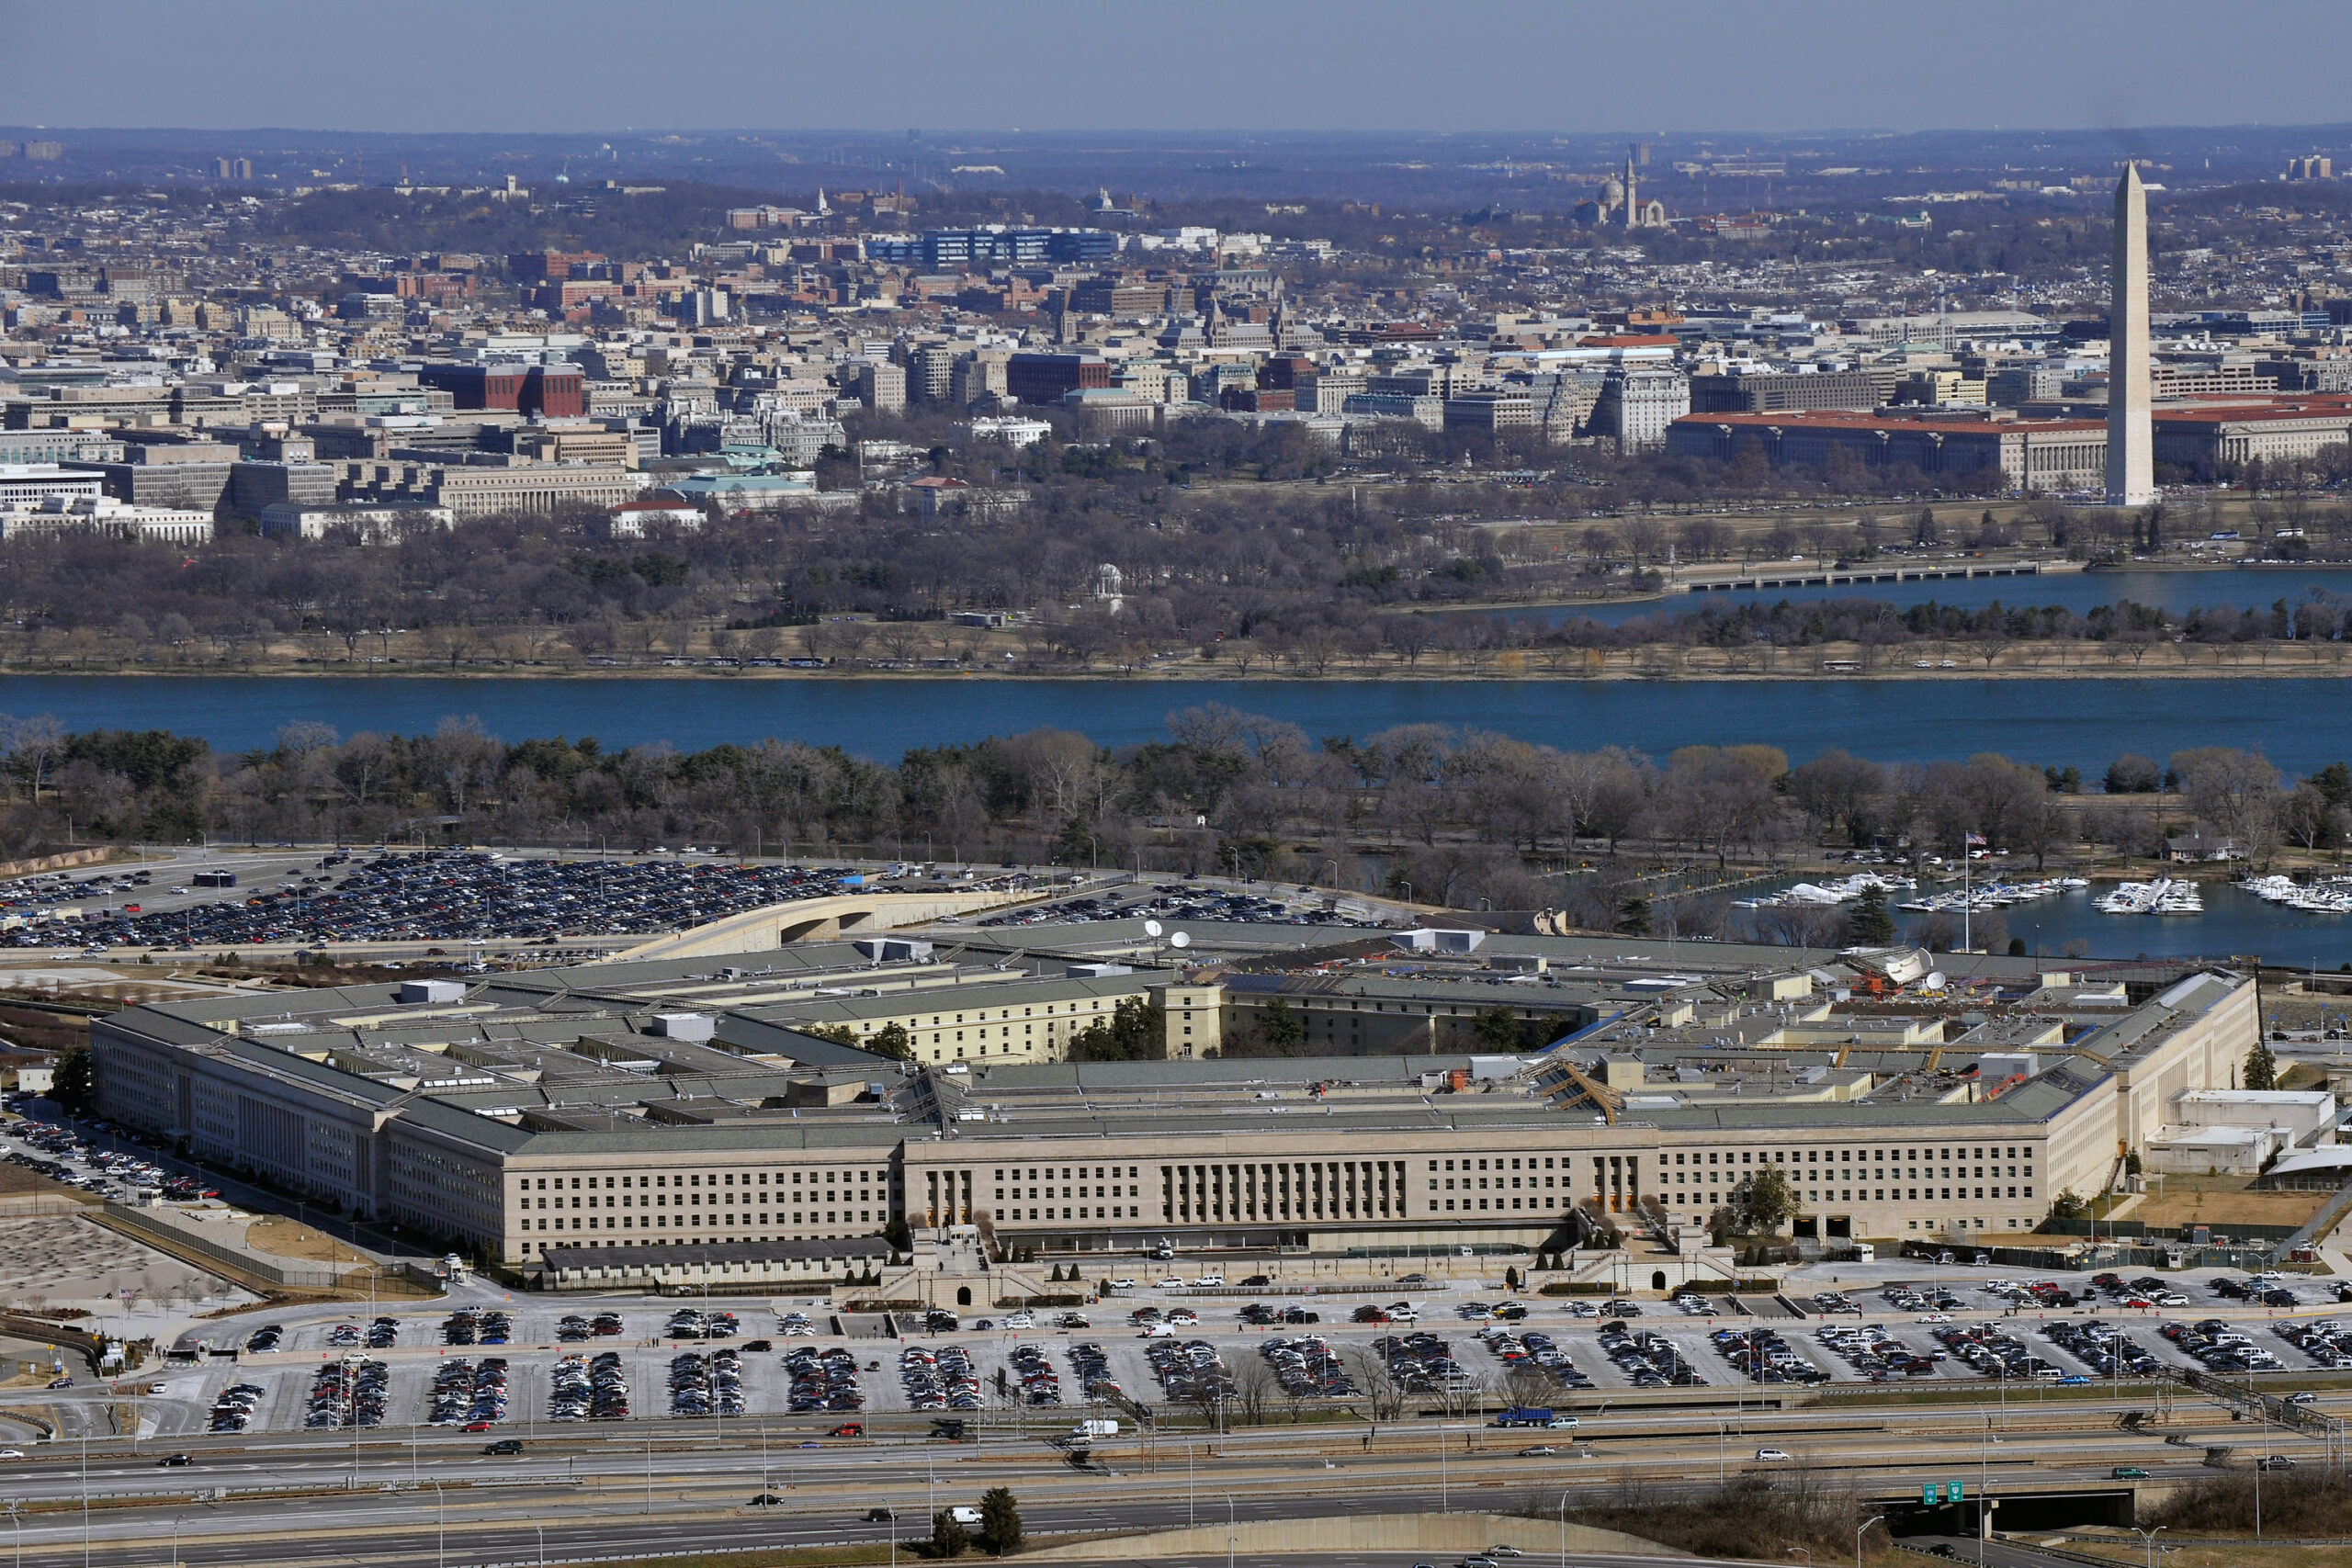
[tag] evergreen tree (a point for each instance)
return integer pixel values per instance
(1634, 916)
(1497, 1029)
(948, 1539)
(2261, 1067)
(74, 1085)
(1870, 924)
(1284, 1035)
(1000, 1521)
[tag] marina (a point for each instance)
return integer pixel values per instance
(2164, 896)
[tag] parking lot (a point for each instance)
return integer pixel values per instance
(1173, 901)
(1457, 1356)
(402, 896)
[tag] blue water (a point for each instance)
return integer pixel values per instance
(2174, 591)
(2301, 724)
(2234, 922)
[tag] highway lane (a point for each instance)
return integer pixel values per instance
(826, 1497)
(422, 1536)
(1836, 1435)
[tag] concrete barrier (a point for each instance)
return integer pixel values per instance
(1458, 1534)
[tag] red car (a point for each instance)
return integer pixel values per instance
(849, 1429)
(481, 1427)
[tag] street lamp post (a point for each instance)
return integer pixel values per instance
(2150, 1537)
(1563, 1530)
(441, 1526)
(1858, 1530)
(1228, 1530)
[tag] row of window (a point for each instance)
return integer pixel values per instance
(661, 1222)
(695, 1180)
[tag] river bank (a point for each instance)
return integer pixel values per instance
(1648, 662)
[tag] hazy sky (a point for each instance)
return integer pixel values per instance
(1516, 65)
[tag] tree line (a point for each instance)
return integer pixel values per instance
(1442, 816)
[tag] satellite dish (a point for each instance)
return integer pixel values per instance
(1182, 939)
(1935, 980)
(1151, 928)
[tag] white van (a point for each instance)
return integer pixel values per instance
(963, 1514)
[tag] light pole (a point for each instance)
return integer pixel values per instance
(1228, 1530)
(541, 1531)
(1443, 1505)
(1563, 1530)
(2150, 1537)
(175, 1540)
(1858, 1530)
(441, 1525)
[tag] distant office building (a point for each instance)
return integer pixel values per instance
(2224, 437)
(181, 475)
(1947, 329)
(59, 444)
(948, 250)
(1424, 410)
(1046, 377)
(254, 487)
(931, 373)
(2055, 454)
(879, 387)
(982, 376)
(555, 392)
(1490, 411)
(2011, 387)
(1638, 403)
(1773, 392)
(104, 515)
(30, 484)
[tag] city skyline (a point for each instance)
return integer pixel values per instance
(1048, 66)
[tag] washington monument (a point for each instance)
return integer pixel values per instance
(2130, 436)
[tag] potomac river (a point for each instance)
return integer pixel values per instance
(2301, 724)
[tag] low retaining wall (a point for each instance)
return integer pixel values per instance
(15, 868)
(243, 1266)
(1457, 1534)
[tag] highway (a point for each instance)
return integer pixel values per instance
(607, 1497)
